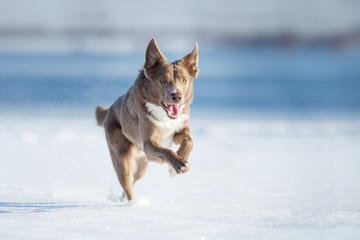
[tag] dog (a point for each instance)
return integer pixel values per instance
(154, 113)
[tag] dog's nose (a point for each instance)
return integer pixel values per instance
(176, 97)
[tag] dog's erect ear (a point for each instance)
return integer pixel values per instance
(153, 55)
(190, 62)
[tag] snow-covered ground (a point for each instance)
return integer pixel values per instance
(250, 179)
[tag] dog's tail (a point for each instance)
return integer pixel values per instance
(100, 114)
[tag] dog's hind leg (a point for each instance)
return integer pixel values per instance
(130, 170)
(136, 169)
(121, 151)
(124, 172)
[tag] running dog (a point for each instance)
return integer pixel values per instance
(142, 125)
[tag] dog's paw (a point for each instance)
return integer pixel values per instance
(185, 168)
(188, 166)
(182, 167)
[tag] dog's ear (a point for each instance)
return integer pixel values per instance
(153, 55)
(190, 62)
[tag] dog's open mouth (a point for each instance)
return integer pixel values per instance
(172, 110)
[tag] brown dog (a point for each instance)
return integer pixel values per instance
(154, 113)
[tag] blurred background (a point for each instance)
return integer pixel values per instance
(258, 57)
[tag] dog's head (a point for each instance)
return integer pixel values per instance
(171, 83)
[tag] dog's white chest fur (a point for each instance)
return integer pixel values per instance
(160, 119)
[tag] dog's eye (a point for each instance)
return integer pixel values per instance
(184, 80)
(162, 80)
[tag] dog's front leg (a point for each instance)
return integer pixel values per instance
(153, 150)
(186, 144)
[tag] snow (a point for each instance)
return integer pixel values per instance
(251, 178)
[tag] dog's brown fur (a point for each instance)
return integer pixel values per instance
(135, 125)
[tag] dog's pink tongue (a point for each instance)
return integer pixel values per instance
(173, 109)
